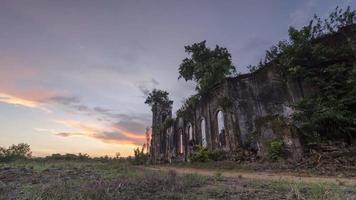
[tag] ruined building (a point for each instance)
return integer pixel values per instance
(241, 112)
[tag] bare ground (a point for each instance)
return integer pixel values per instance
(261, 176)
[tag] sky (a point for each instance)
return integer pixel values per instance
(74, 74)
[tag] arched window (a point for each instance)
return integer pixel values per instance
(181, 147)
(190, 131)
(221, 128)
(203, 133)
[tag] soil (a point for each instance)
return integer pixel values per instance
(269, 176)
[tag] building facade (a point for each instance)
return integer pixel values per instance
(244, 112)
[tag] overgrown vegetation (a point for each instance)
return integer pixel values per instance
(81, 177)
(275, 149)
(313, 56)
(188, 106)
(206, 66)
(158, 97)
(199, 154)
(202, 154)
(140, 157)
(15, 152)
(76, 180)
(328, 111)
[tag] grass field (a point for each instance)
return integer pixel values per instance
(54, 180)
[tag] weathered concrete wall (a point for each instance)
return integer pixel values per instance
(160, 142)
(244, 100)
(256, 108)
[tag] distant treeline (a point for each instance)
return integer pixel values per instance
(23, 151)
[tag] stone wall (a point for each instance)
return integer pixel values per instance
(256, 108)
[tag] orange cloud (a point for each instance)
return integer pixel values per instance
(9, 99)
(108, 135)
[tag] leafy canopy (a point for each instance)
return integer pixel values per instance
(188, 106)
(291, 55)
(206, 66)
(158, 97)
(329, 110)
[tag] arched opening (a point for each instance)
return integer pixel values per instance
(190, 131)
(221, 128)
(204, 142)
(181, 147)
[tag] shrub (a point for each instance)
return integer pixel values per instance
(15, 152)
(217, 155)
(68, 157)
(202, 154)
(140, 157)
(275, 149)
(199, 154)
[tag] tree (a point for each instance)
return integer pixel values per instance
(158, 97)
(206, 67)
(117, 155)
(14, 152)
(188, 106)
(328, 111)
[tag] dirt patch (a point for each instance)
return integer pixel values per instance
(259, 175)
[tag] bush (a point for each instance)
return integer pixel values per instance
(15, 152)
(68, 157)
(140, 157)
(275, 149)
(199, 154)
(217, 155)
(202, 154)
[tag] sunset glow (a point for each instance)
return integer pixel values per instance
(74, 74)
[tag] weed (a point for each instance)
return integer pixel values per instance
(275, 149)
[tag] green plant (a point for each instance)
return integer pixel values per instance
(206, 66)
(199, 154)
(188, 106)
(311, 58)
(140, 157)
(15, 152)
(275, 149)
(218, 176)
(217, 155)
(202, 154)
(158, 97)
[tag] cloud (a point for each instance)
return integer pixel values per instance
(46, 130)
(9, 99)
(131, 126)
(146, 86)
(39, 98)
(102, 110)
(110, 135)
(67, 134)
(118, 138)
(127, 127)
(65, 100)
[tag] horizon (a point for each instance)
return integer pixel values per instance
(74, 74)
